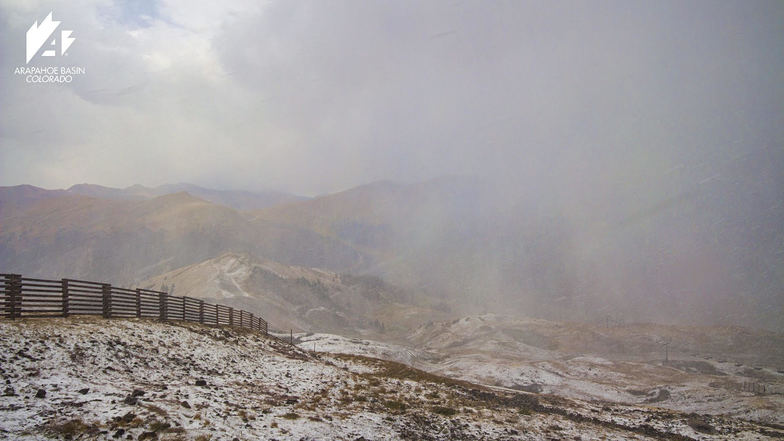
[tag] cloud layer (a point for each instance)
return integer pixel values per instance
(314, 97)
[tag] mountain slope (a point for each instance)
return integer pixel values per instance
(460, 243)
(292, 296)
(91, 378)
(125, 241)
(710, 370)
(20, 197)
(428, 237)
(679, 256)
(237, 199)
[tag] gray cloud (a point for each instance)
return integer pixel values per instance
(315, 97)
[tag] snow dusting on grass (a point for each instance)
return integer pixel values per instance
(89, 378)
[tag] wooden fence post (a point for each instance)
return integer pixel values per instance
(64, 290)
(231, 316)
(106, 290)
(14, 302)
(183, 308)
(162, 305)
(201, 311)
(138, 303)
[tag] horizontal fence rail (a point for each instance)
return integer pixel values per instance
(25, 297)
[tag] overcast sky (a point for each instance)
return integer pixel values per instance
(315, 97)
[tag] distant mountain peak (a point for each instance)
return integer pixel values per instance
(236, 199)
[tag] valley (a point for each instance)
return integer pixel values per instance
(710, 371)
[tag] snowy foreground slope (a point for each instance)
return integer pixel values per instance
(717, 371)
(90, 378)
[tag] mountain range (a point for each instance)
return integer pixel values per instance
(453, 244)
(236, 199)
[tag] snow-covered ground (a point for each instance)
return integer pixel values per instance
(688, 384)
(337, 344)
(89, 378)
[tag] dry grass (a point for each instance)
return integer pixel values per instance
(74, 428)
(445, 411)
(400, 371)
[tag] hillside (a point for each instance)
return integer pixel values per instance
(298, 297)
(673, 258)
(236, 199)
(130, 240)
(457, 242)
(127, 379)
(19, 197)
(716, 370)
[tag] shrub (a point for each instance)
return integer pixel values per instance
(72, 428)
(395, 405)
(446, 411)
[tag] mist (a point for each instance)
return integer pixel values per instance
(630, 155)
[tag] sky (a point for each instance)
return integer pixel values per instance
(314, 97)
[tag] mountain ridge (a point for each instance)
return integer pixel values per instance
(241, 200)
(297, 297)
(459, 241)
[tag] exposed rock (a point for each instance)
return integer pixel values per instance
(701, 424)
(533, 387)
(661, 395)
(127, 418)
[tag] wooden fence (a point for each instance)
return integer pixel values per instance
(25, 297)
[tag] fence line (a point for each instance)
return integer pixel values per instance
(25, 297)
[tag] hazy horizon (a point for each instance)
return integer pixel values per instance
(238, 189)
